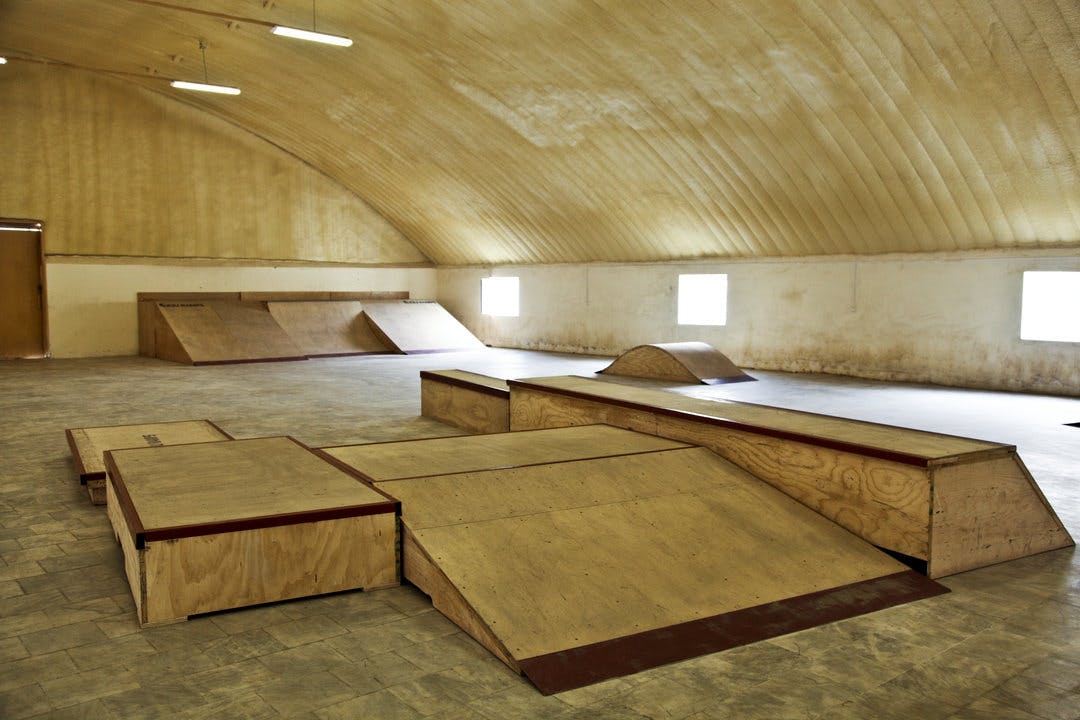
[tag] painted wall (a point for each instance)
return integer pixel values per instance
(952, 320)
(115, 169)
(92, 306)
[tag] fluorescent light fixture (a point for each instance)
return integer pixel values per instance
(312, 36)
(21, 228)
(3, 61)
(203, 87)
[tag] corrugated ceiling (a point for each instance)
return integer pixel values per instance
(615, 130)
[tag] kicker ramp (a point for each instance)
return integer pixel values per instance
(580, 554)
(685, 362)
(419, 326)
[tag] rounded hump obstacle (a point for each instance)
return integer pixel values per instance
(689, 362)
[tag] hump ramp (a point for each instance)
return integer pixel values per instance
(689, 362)
(634, 555)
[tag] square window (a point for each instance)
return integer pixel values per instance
(702, 300)
(499, 296)
(1050, 307)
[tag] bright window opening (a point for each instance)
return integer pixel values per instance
(1050, 307)
(703, 299)
(499, 296)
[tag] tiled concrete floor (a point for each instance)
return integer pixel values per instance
(1004, 644)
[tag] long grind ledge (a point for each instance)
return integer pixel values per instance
(954, 503)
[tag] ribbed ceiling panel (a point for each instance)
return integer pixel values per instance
(570, 131)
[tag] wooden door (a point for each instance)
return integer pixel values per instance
(22, 292)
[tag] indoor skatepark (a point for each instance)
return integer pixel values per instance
(550, 360)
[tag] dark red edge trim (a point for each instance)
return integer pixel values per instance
(727, 381)
(358, 353)
(433, 375)
(127, 507)
(439, 350)
(252, 360)
(357, 475)
(211, 423)
(177, 532)
(77, 459)
(576, 667)
(882, 454)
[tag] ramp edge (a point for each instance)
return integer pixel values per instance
(576, 667)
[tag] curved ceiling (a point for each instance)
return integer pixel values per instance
(616, 130)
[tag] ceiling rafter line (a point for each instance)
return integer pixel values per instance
(951, 145)
(22, 57)
(209, 13)
(819, 218)
(647, 150)
(861, 143)
(905, 147)
(992, 207)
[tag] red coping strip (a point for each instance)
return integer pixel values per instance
(576, 667)
(841, 445)
(434, 376)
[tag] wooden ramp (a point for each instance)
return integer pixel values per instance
(578, 570)
(328, 328)
(685, 362)
(219, 332)
(419, 326)
(88, 445)
(951, 503)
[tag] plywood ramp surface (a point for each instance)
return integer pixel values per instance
(556, 559)
(219, 332)
(327, 328)
(688, 362)
(413, 326)
(924, 447)
(88, 445)
(443, 456)
(190, 485)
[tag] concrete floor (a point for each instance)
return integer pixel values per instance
(1004, 644)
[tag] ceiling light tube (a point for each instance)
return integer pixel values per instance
(3, 61)
(203, 87)
(312, 36)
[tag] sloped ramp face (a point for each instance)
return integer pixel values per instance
(328, 328)
(220, 332)
(688, 362)
(419, 326)
(579, 571)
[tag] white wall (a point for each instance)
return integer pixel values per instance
(92, 310)
(952, 320)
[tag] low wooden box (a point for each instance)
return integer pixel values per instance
(215, 526)
(466, 400)
(88, 445)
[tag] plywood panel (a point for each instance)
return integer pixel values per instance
(336, 327)
(446, 456)
(254, 332)
(563, 578)
(188, 485)
(220, 571)
(88, 445)
(990, 512)
(472, 409)
(420, 326)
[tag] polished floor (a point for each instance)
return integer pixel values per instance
(1004, 644)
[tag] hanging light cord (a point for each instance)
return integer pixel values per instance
(313, 28)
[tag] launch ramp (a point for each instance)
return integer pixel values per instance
(574, 571)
